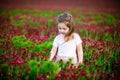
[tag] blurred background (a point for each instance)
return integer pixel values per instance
(60, 4)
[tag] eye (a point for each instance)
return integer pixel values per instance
(60, 28)
(64, 28)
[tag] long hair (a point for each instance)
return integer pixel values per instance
(68, 20)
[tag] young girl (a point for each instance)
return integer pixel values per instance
(67, 44)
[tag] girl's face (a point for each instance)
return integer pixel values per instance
(62, 28)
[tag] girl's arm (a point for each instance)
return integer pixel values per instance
(80, 53)
(53, 53)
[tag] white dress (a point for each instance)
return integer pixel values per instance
(67, 50)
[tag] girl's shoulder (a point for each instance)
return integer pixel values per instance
(76, 35)
(77, 38)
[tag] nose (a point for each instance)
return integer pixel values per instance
(61, 31)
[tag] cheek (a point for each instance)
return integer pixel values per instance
(66, 30)
(59, 30)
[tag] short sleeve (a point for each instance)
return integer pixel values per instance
(55, 42)
(77, 39)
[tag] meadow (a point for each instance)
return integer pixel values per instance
(26, 38)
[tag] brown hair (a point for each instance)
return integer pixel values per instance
(68, 20)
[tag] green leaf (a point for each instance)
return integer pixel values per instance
(51, 23)
(99, 63)
(33, 24)
(32, 63)
(26, 44)
(50, 67)
(4, 66)
(33, 73)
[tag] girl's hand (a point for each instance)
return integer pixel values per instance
(50, 60)
(78, 64)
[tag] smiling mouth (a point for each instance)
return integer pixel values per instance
(62, 33)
